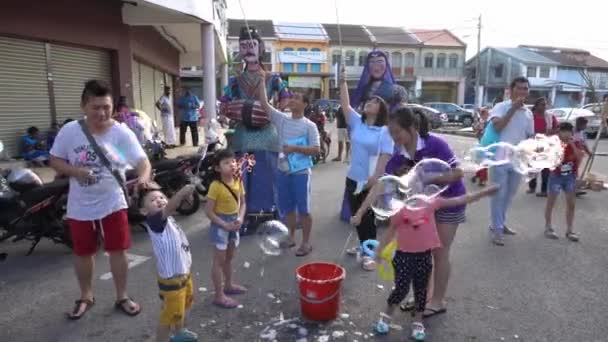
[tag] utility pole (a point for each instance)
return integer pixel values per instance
(478, 94)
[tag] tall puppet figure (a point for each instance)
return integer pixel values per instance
(254, 134)
(376, 80)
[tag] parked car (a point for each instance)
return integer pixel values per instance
(595, 107)
(470, 107)
(571, 114)
(436, 117)
(455, 112)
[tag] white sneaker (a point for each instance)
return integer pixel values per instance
(550, 233)
(418, 333)
(353, 251)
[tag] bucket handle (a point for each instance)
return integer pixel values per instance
(320, 301)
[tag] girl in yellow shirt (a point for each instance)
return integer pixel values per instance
(226, 209)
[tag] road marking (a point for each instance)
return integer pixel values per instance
(133, 259)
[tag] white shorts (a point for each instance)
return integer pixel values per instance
(343, 135)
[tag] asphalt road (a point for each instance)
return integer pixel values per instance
(533, 289)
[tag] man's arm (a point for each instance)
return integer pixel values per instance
(144, 170)
(157, 104)
(64, 168)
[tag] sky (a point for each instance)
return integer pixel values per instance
(579, 24)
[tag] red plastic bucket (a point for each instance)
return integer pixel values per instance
(320, 284)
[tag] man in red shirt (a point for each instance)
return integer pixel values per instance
(544, 123)
(564, 178)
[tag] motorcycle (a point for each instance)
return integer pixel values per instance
(31, 210)
(155, 147)
(325, 137)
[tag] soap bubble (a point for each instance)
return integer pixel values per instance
(528, 158)
(115, 155)
(272, 235)
(391, 193)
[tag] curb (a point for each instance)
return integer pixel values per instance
(451, 132)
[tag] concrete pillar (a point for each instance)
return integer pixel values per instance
(224, 75)
(553, 96)
(418, 87)
(208, 63)
(461, 88)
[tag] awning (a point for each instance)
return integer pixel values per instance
(180, 23)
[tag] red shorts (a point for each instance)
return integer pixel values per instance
(113, 230)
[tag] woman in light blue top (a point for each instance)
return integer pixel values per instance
(371, 148)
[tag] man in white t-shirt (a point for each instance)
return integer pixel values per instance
(165, 105)
(97, 206)
(514, 123)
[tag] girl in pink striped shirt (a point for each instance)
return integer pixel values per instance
(415, 230)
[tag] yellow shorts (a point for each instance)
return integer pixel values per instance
(177, 296)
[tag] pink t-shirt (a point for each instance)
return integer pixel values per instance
(416, 229)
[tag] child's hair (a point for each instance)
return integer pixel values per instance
(566, 127)
(581, 122)
(407, 117)
(220, 155)
(145, 191)
(32, 130)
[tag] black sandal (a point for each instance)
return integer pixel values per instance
(120, 305)
(88, 304)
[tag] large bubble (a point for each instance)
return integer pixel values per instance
(115, 155)
(272, 236)
(528, 157)
(423, 181)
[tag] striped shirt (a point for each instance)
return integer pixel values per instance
(289, 128)
(171, 247)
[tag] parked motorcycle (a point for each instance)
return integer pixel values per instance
(325, 137)
(155, 147)
(31, 210)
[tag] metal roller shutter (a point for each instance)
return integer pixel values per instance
(24, 97)
(147, 91)
(72, 67)
(136, 85)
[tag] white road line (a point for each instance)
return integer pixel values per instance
(133, 259)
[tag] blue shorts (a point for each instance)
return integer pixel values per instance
(294, 193)
(220, 237)
(557, 183)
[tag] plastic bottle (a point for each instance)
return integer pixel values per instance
(283, 162)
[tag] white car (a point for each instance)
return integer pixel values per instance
(571, 114)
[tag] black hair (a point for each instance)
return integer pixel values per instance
(32, 130)
(382, 117)
(520, 79)
(605, 97)
(566, 127)
(581, 121)
(537, 102)
(218, 156)
(95, 88)
(67, 121)
(407, 117)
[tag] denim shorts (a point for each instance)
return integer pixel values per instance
(220, 237)
(557, 183)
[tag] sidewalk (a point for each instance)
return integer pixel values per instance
(47, 174)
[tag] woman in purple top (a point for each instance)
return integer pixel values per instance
(409, 130)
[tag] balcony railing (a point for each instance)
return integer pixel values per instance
(355, 72)
(433, 72)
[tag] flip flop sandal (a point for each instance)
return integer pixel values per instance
(88, 304)
(235, 291)
(120, 305)
(433, 312)
(303, 251)
(227, 303)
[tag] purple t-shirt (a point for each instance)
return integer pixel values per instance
(434, 147)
